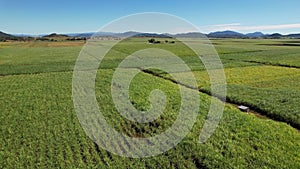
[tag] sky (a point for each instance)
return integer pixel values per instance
(48, 16)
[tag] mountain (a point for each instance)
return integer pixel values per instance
(273, 36)
(255, 35)
(55, 35)
(226, 34)
(190, 35)
(137, 34)
(127, 34)
(5, 36)
(293, 36)
(86, 34)
(26, 35)
(220, 34)
(153, 35)
(106, 34)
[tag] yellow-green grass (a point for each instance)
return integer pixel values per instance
(39, 129)
(39, 126)
(273, 90)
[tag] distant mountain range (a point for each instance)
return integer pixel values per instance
(219, 34)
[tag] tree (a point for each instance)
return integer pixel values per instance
(151, 40)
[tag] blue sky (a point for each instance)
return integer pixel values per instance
(38, 16)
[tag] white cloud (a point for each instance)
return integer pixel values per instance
(225, 25)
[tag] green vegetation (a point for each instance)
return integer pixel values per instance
(37, 57)
(39, 126)
(272, 90)
(262, 51)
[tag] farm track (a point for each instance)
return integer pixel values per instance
(266, 63)
(253, 111)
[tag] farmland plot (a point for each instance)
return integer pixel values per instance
(39, 127)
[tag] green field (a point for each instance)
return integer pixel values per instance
(39, 127)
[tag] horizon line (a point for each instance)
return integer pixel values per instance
(206, 29)
(64, 33)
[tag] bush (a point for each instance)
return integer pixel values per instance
(151, 40)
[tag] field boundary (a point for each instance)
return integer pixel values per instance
(257, 112)
(266, 63)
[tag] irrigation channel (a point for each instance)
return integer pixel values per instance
(252, 111)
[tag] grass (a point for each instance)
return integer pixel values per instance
(46, 133)
(260, 51)
(38, 58)
(271, 90)
(39, 127)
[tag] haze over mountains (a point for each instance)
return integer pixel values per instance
(219, 34)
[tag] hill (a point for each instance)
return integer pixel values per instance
(293, 35)
(190, 35)
(5, 36)
(274, 36)
(226, 34)
(255, 35)
(55, 35)
(219, 34)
